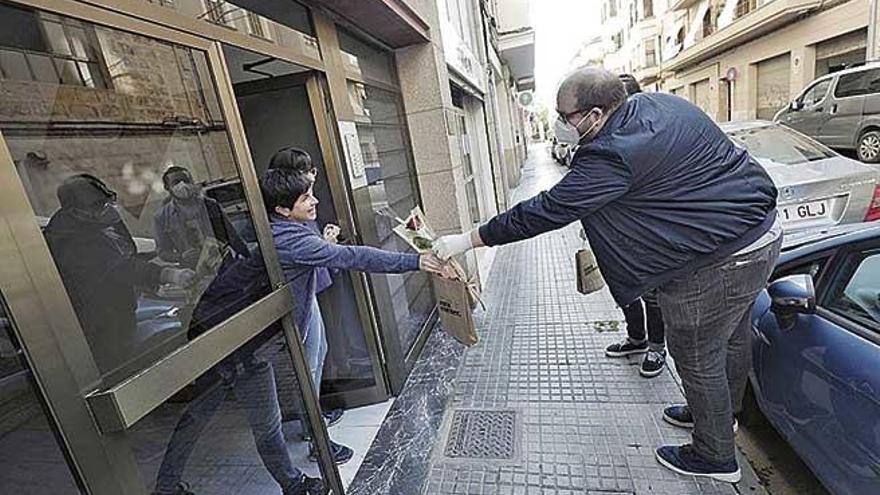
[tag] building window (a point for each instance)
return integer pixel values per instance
(217, 12)
(255, 25)
(617, 40)
(64, 51)
(648, 8)
(650, 53)
(708, 27)
(743, 7)
(679, 37)
(612, 8)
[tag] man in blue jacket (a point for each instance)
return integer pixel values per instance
(668, 202)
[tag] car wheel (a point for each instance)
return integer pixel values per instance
(868, 148)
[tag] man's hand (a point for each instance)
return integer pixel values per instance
(452, 245)
(331, 233)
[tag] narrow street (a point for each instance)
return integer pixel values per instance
(582, 423)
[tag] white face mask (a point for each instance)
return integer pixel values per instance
(569, 134)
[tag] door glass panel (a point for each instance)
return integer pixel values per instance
(405, 302)
(276, 113)
(30, 453)
(235, 429)
(133, 184)
(855, 293)
(290, 26)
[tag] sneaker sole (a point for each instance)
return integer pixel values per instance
(690, 426)
(650, 374)
(338, 463)
(733, 477)
(615, 354)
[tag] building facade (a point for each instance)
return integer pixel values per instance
(99, 363)
(745, 59)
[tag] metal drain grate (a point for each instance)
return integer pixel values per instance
(482, 434)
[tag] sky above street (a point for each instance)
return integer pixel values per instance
(561, 27)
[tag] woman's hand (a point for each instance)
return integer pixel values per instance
(331, 232)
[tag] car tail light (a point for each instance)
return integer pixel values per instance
(874, 207)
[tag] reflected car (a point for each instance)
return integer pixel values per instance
(817, 186)
(816, 354)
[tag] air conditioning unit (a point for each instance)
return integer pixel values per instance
(526, 98)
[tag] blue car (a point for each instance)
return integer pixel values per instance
(816, 350)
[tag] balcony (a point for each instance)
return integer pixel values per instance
(517, 48)
(750, 26)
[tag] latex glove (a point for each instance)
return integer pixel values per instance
(178, 276)
(452, 245)
(331, 232)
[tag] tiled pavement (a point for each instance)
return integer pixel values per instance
(586, 423)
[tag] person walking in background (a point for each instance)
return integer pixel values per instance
(644, 313)
(668, 202)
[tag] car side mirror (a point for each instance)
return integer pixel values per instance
(794, 294)
(797, 105)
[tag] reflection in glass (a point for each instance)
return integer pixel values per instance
(30, 455)
(390, 186)
(224, 434)
(135, 245)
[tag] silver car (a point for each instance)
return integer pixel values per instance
(817, 186)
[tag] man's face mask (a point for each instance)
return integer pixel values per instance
(569, 134)
(184, 190)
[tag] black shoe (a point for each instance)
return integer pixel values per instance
(307, 486)
(680, 416)
(182, 488)
(653, 364)
(340, 453)
(333, 416)
(684, 459)
(626, 348)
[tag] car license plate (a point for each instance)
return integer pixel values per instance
(806, 211)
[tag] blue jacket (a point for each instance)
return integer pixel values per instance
(302, 251)
(660, 191)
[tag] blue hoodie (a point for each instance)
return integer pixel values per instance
(302, 251)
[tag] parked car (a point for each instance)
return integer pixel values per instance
(816, 350)
(817, 186)
(840, 110)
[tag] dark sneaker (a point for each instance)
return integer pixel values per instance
(653, 364)
(683, 459)
(182, 488)
(307, 486)
(680, 416)
(626, 348)
(340, 453)
(333, 416)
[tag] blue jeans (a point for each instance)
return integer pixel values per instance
(315, 345)
(253, 383)
(707, 315)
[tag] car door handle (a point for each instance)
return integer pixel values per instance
(833, 109)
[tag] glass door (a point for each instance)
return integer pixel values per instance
(151, 304)
(279, 103)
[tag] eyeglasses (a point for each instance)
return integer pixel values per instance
(566, 117)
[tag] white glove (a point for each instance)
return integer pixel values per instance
(452, 245)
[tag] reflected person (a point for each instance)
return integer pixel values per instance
(189, 223)
(97, 259)
(249, 379)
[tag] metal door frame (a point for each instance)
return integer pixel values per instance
(91, 416)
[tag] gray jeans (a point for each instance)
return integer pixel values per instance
(707, 318)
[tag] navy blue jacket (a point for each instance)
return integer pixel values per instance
(660, 191)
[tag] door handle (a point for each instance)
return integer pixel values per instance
(833, 109)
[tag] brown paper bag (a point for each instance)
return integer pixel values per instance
(589, 279)
(455, 305)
